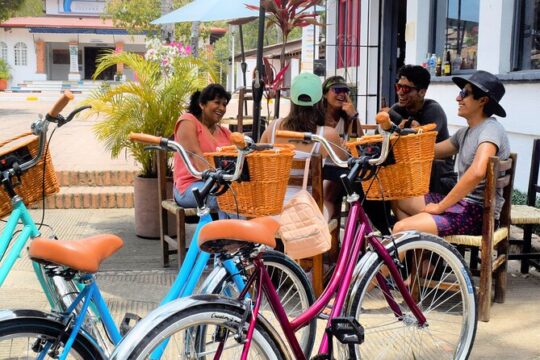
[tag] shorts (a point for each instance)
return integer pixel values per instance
(462, 218)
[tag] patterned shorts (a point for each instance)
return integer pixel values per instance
(463, 218)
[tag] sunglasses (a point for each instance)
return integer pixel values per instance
(464, 93)
(341, 90)
(405, 89)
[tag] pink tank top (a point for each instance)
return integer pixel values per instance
(208, 143)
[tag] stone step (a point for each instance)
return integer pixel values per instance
(90, 197)
(96, 178)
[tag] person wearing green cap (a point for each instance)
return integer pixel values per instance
(304, 116)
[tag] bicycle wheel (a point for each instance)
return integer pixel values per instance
(195, 333)
(27, 338)
(441, 285)
(294, 289)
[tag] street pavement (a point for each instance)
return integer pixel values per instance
(133, 279)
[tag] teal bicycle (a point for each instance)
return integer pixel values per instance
(81, 325)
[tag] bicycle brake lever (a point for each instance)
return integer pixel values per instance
(153, 147)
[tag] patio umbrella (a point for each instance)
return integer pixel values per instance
(219, 10)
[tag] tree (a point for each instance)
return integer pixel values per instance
(135, 16)
(10, 8)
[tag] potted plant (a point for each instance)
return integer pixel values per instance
(4, 74)
(166, 75)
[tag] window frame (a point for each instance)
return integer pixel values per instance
(20, 59)
(3, 51)
(518, 52)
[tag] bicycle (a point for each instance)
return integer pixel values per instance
(432, 316)
(74, 294)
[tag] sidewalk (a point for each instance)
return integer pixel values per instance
(133, 279)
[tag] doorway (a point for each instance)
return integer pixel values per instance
(91, 54)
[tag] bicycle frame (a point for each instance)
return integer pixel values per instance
(357, 236)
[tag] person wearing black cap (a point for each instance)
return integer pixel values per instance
(460, 212)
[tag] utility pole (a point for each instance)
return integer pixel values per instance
(167, 30)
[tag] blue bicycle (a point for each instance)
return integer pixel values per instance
(81, 325)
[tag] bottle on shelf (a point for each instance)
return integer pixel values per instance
(456, 64)
(447, 66)
(438, 67)
(432, 63)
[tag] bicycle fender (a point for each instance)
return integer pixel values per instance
(53, 319)
(155, 317)
(368, 260)
(213, 280)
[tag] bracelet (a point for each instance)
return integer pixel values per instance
(354, 117)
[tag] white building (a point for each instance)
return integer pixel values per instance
(368, 40)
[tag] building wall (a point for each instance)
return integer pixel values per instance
(494, 52)
(20, 73)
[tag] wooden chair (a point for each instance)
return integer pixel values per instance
(171, 242)
(315, 180)
(500, 175)
(243, 96)
(528, 216)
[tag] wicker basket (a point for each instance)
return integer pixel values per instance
(409, 175)
(263, 194)
(32, 187)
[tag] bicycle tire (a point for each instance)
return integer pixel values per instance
(13, 346)
(450, 312)
(302, 295)
(196, 320)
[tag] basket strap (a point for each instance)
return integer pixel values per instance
(15, 138)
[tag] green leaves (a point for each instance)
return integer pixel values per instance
(150, 105)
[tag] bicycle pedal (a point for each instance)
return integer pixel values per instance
(126, 325)
(347, 330)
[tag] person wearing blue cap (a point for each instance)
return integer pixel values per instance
(304, 116)
(460, 212)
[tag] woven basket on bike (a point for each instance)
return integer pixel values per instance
(32, 185)
(408, 171)
(263, 193)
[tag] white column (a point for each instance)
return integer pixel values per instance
(417, 31)
(495, 35)
(74, 74)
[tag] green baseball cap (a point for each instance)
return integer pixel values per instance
(306, 89)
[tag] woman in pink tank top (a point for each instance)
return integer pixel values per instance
(198, 131)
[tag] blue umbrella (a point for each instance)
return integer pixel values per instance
(210, 10)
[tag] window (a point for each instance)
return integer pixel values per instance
(3, 51)
(528, 35)
(21, 54)
(456, 31)
(348, 39)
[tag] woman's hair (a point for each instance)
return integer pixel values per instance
(323, 104)
(209, 93)
(304, 118)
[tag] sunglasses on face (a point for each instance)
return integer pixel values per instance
(405, 89)
(341, 90)
(464, 93)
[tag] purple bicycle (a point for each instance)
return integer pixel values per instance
(386, 305)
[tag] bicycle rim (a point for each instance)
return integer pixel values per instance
(441, 286)
(294, 290)
(28, 338)
(196, 333)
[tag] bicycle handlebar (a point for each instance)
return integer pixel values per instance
(61, 104)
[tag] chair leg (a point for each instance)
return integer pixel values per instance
(484, 292)
(502, 273)
(526, 248)
(180, 236)
(318, 274)
(474, 258)
(164, 226)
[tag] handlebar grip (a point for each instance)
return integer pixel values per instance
(145, 138)
(383, 119)
(293, 135)
(238, 140)
(61, 103)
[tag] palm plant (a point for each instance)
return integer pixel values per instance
(150, 105)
